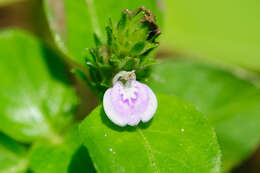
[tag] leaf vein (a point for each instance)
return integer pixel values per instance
(149, 151)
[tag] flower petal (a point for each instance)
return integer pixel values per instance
(152, 106)
(128, 105)
(112, 114)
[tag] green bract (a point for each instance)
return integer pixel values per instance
(128, 47)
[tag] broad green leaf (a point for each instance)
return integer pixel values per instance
(66, 155)
(35, 99)
(12, 156)
(231, 104)
(178, 139)
(73, 22)
(223, 30)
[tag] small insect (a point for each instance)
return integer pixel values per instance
(128, 102)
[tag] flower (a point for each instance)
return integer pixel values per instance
(128, 102)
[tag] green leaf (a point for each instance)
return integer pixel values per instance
(35, 99)
(73, 23)
(231, 104)
(12, 156)
(222, 30)
(67, 155)
(178, 139)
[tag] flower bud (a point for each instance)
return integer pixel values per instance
(128, 47)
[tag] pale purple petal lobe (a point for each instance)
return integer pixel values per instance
(128, 105)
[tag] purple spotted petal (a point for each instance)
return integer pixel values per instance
(128, 105)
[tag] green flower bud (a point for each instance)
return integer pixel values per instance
(128, 47)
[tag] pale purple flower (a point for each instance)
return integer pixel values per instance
(130, 102)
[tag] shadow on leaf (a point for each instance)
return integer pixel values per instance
(81, 162)
(57, 67)
(113, 126)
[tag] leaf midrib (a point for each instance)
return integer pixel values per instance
(148, 148)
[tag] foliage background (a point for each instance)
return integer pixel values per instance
(221, 34)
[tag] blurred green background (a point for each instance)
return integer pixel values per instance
(222, 33)
(215, 30)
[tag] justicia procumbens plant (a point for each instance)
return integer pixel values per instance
(41, 132)
(122, 61)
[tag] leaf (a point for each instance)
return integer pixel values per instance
(231, 104)
(67, 155)
(178, 139)
(219, 30)
(12, 156)
(35, 99)
(73, 23)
